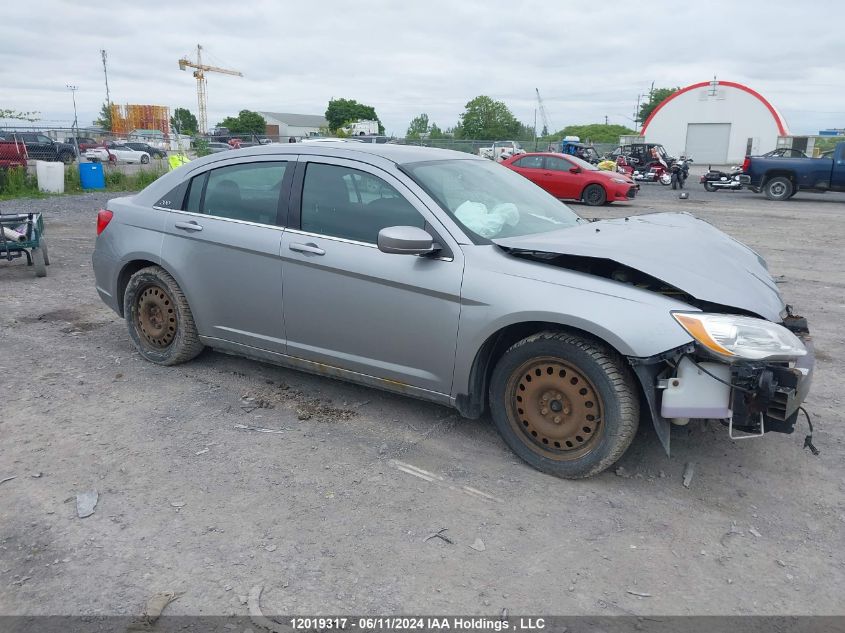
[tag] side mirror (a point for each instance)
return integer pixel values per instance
(406, 240)
(575, 170)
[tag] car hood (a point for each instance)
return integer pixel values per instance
(675, 248)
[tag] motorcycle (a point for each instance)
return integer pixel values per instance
(714, 179)
(656, 171)
(679, 172)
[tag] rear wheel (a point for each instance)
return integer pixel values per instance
(594, 195)
(708, 186)
(779, 188)
(159, 318)
(675, 181)
(42, 243)
(564, 404)
(145, 159)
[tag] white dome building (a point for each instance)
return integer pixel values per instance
(717, 122)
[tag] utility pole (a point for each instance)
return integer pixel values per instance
(637, 113)
(75, 127)
(106, 74)
(605, 119)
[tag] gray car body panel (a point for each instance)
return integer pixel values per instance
(406, 323)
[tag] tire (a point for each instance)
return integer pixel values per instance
(591, 386)
(779, 189)
(39, 262)
(708, 186)
(675, 182)
(664, 180)
(159, 319)
(43, 246)
(594, 195)
(145, 160)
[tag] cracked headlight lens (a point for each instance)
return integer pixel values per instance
(733, 337)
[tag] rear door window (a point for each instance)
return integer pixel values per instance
(530, 162)
(248, 192)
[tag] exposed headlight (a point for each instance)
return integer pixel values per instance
(621, 181)
(734, 337)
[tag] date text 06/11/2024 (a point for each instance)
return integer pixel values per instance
(420, 623)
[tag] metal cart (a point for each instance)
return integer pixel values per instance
(22, 235)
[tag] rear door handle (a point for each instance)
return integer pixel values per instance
(311, 249)
(188, 226)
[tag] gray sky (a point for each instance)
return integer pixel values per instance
(406, 56)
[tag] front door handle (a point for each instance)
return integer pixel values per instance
(188, 226)
(311, 249)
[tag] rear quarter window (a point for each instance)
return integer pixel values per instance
(175, 198)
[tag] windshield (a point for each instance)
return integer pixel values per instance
(489, 200)
(582, 163)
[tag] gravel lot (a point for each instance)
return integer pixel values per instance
(328, 515)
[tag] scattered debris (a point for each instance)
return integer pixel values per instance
(242, 599)
(177, 504)
(302, 414)
(86, 502)
(478, 545)
(251, 403)
(258, 618)
(639, 594)
(202, 452)
(3, 481)
(271, 548)
(152, 611)
(258, 429)
(439, 534)
(662, 474)
(780, 562)
(689, 471)
(753, 532)
(383, 449)
(732, 532)
(621, 472)
(20, 582)
(504, 615)
(36, 475)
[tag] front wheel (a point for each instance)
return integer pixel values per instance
(675, 181)
(779, 189)
(159, 318)
(565, 404)
(145, 160)
(665, 179)
(594, 195)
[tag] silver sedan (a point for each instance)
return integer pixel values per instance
(450, 278)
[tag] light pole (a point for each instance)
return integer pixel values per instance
(73, 90)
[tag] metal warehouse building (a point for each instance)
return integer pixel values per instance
(718, 122)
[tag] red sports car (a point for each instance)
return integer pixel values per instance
(569, 177)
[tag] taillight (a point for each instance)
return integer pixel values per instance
(104, 216)
(746, 164)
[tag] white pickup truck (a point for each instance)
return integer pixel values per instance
(501, 150)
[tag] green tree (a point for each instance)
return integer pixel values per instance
(183, 121)
(435, 132)
(247, 122)
(343, 111)
(658, 95)
(593, 132)
(18, 115)
(485, 118)
(104, 120)
(418, 127)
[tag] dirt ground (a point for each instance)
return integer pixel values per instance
(331, 512)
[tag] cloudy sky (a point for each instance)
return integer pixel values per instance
(408, 56)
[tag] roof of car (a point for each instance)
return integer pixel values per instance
(399, 154)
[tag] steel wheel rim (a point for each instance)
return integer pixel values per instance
(554, 408)
(778, 188)
(593, 195)
(155, 317)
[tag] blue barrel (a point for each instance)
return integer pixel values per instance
(91, 176)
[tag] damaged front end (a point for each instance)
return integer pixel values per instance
(749, 396)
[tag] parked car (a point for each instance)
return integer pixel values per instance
(83, 142)
(215, 147)
(500, 150)
(781, 178)
(12, 154)
(571, 178)
(42, 147)
(117, 154)
(154, 152)
(444, 276)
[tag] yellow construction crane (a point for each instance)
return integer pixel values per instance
(202, 94)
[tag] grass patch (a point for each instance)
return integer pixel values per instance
(16, 183)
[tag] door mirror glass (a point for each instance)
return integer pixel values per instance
(406, 240)
(574, 170)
